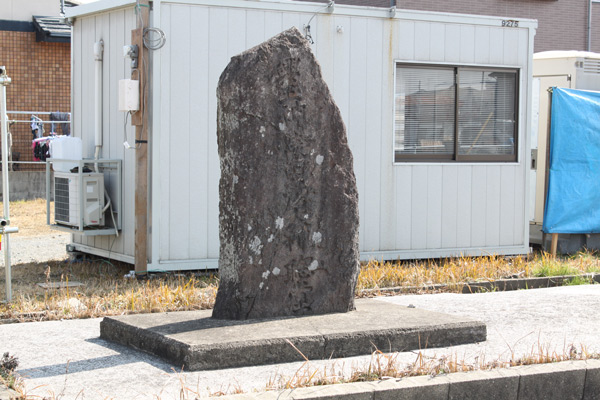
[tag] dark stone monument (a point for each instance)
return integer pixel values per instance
(288, 197)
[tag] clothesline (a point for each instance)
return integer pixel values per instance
(30, 112)
(43, 122)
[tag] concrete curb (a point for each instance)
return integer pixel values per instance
(489, 286)
(556, 381)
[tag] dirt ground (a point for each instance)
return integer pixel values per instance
(38, 253)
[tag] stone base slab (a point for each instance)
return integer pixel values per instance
(194, 341)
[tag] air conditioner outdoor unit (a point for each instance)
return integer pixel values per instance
(67, 207)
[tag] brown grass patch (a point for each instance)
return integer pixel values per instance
(30, 217)
(455, 272)
(107, 292)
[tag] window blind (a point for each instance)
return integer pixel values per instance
(425, 111)
(486, 112)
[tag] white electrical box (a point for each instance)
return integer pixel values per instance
(68, 195)
(129, 95)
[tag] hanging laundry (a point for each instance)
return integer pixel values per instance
(65, 126)
(41, 148)
(37, 127)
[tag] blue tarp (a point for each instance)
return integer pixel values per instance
(573, 202)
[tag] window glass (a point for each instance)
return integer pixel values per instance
(486, 112)
(425, 111)
(455, 113)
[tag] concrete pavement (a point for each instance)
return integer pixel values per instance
(68, 358)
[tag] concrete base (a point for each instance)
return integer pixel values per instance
(193, 340)
(567, 243)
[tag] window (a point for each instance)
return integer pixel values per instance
(455, 114)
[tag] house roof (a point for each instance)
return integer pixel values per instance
(564, 54)
(51, 29)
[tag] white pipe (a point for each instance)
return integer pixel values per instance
(98, 55)
(5, 81)
(589, 26)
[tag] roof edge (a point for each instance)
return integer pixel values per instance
(97, 7)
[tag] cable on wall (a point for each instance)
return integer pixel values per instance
(154, 43)
(329, 7)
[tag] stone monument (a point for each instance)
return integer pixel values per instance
(288, 198)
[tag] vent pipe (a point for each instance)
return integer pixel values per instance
(392, 8)
(98, 56)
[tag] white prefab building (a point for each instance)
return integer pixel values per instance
(437, 109)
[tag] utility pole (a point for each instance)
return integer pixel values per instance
(5, 230)
(140, 120)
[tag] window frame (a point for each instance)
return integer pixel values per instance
(455, 157)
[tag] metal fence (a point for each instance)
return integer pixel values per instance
(21, 128)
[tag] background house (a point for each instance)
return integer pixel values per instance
(562, 25)
(35, 48)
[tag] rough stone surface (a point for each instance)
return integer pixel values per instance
(288, 197)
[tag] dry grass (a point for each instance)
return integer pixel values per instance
(107, 292)
(383, 366)
(30, 217)
(455, 272)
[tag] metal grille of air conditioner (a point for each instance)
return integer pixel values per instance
(591, 66)
(61, 199)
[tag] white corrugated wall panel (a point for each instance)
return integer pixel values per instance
(482, 45)
(164, 145)
(478, 205)
(356, 32)
(181, 167)
(434, 206)
(464, 206)
(404, 210)
(200, 61)
(467, 44)
(492, 209)
(496, 47)
(449, 221)
(421, 35)
(507, 206)
(403, 207)
(219, 57)
(451, 41)
(114, 28)
(390, 211)
(419, 196)
(372, 141)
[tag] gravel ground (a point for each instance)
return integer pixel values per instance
(36, 248)
(68, 360)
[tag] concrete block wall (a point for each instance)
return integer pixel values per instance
(26, 185)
